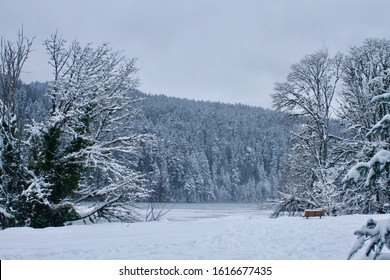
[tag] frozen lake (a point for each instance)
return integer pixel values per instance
(197, 211)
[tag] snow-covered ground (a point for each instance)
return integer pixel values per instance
(193, 231)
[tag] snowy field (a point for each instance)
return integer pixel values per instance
(193, 231)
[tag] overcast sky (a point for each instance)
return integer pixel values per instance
(219, 50)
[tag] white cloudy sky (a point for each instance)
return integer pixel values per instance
(220, 50)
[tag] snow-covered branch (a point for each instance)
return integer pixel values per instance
(378, 235)
(370, 170)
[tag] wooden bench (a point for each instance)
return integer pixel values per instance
(314, 213)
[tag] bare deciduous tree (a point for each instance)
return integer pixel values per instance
(309, 93)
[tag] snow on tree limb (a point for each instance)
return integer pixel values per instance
(377, 164)
(38, 189)
(380, 127)
(4, 212)
(378, 235)
(381, 97)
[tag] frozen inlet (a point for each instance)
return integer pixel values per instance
(314, 213)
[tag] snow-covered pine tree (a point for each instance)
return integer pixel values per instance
(81, 154)
(373, 175)
(365, 113)
(12, 171)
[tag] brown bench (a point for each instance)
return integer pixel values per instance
(314, 213)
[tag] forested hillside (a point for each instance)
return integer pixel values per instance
(206, 151)
(202, 151)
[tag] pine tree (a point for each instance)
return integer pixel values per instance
(12, 171)
(365, 112)
(372, 176)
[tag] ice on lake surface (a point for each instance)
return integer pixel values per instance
(196, 211)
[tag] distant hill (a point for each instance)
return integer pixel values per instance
(209, 151)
